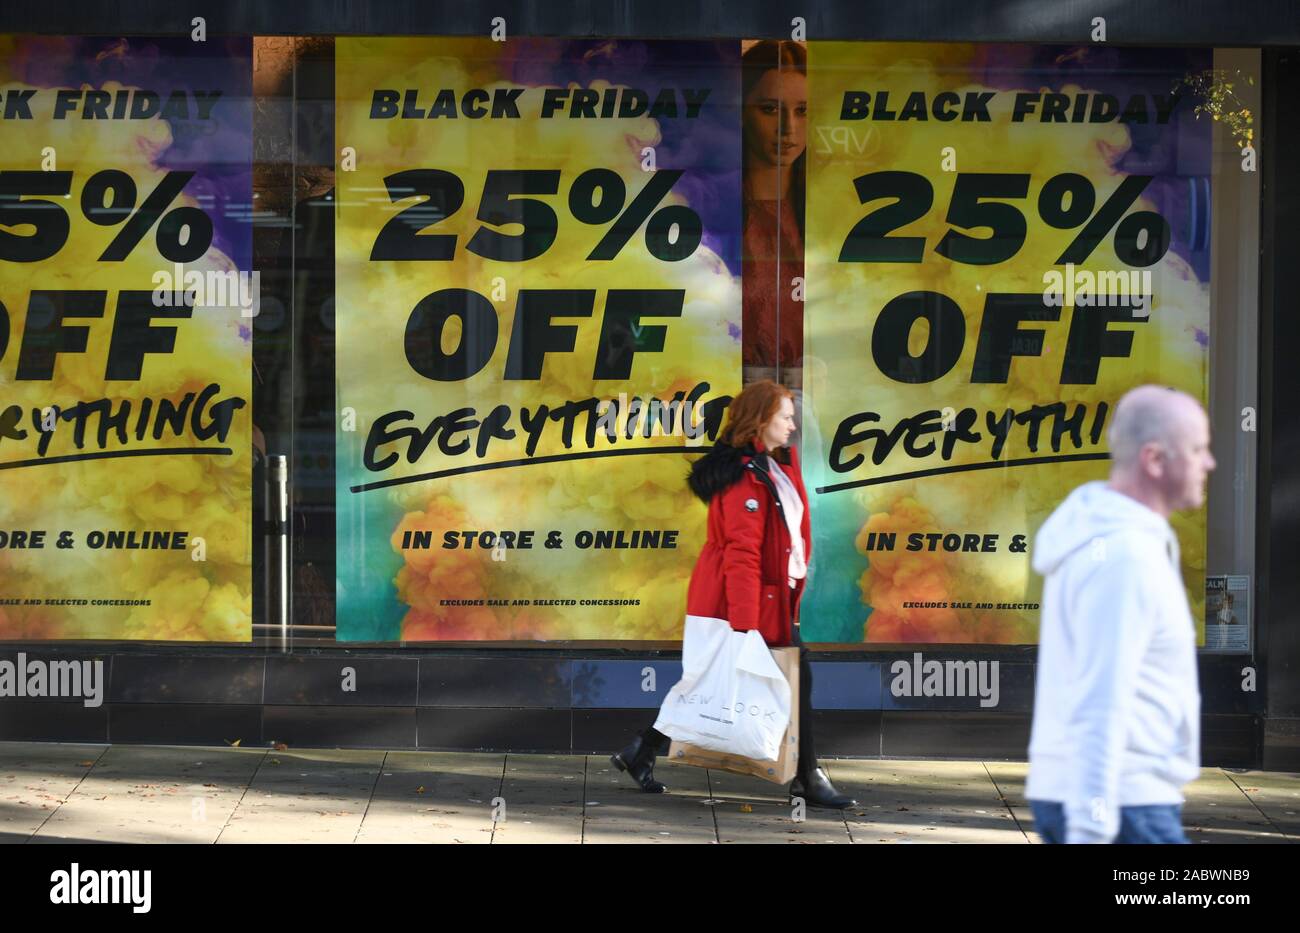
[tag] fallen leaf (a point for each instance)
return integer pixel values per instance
(746, 808)
(234, 744)
(85, 764)
(420, 789)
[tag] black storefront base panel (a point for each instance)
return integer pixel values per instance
(545, 703)
(1228, 741)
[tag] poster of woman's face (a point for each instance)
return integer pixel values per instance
(775, 107)
(775, 114)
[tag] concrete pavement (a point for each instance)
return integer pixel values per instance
(121, 793)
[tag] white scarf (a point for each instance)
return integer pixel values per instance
(792, 506)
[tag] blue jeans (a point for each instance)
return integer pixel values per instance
(1162, 823)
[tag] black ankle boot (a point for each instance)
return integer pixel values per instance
(638, 760)
(816, 788)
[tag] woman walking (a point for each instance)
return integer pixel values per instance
(753, 567)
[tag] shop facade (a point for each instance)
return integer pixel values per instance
(353, 361)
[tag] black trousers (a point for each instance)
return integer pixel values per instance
(655, 739)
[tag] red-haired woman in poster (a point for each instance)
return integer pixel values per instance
(754, 564)
(774, 88)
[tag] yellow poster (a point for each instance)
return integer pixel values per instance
(1001, 242)
(538, 318)
(126, 301)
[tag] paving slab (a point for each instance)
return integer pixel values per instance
(751, 810)
(542, 800)
(35, 780)
(1217, 810)
(924, 802)
(153, 794)
(443, 797)
(1277, 795)
(308, 795)
(616, 810)
(1009, 779)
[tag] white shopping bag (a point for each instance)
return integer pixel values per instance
(732, 696)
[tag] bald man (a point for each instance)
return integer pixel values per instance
(1116, 730)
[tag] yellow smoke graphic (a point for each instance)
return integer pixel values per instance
(376, 298)
(207, 496)
(846, 298)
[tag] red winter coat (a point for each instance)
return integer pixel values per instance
(742, 574)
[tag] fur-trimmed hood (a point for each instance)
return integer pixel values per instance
(723, 465)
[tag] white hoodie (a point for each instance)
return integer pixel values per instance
(1116, 705)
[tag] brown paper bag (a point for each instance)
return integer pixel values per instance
(782, 770)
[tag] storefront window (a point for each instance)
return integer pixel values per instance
(127, 297)
(505, 291)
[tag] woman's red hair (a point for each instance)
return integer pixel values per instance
(756, 405)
